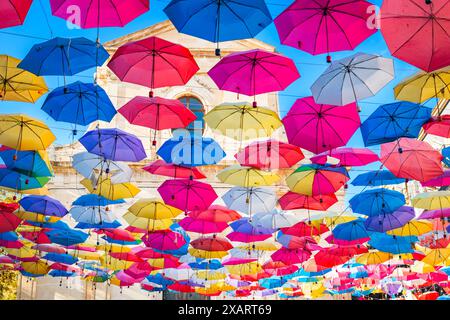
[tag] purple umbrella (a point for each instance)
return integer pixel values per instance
(114, 144)
(389, 221)
(435, 214)
(43, 205)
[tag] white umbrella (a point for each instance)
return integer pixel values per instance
(250, 200)
(89, 165)
(275, 219)
(91, 215)
(352, 79)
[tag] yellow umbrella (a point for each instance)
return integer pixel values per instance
(313, 290)
(423, 86)
(436, 256)
(203, 254)
(260, 246)
(250, 268)
(85, 255)
(115, 264)
(112, 247)
(413, 228)
(23, 252)
(242, 121)
(147, 224)
(210, 275)
(18, 84)
(154, 209)
(373, 257)
(432, 200)
(36, 217)
(111, 191)
(247, 177)
(21, 132)
(39, 267)
(421, 267)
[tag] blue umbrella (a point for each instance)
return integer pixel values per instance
(219, 20)
(121, 242)
(9, 236)
(66, 237)
(392, 244)
(159, 280)
(61, 258)
(395, 120)
(64, 57)
(445, 297)
(114, 144)
(90, 200)
(390, 221)
(350, 231)
(62, 274)
(376, 178)
(79, 103)
(191, 150)
(43, 205)
(29, 163)
(17, 181)
(206, 265)
(446, 155)
(244, 225)
(272, 282)
(105, 225)
(377, 201)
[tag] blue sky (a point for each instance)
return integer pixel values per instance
(41, 25)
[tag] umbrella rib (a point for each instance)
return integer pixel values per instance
(239, 17)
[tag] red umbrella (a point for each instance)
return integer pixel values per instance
(117, 234)
(161, 168)
(38, 237)
(292, 201)
(8, 221)
(187, 195)
(216, 213)
(412, 159)
(438, 126)
(212, 244)
(202, 226)
(324, 26)
(157, 113)
(325, 259)
(317, 127)
(348, 157)
(289, 256)
(13, 12)
(278, 268)
(154, 63)
(270, 154)
(247, 238)
(254, 72)
(302, 229)
(416, 31)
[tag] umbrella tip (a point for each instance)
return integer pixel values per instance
(218, 53)
(151, 94)
(428, 1)
(328, 59)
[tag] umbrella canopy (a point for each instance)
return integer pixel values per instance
(424, 86)
(24, 133)
(89, 165)
(250, 200)
(157, 113)
(270, 154)
(114, 144)
(218, 21)
(313, 180)
(109, 190)
(412, 159)
(43, 205)
(348, 157)
(191, 150)
(416, 32)
(413, 228)
(392, 121)
(164, 240)
(66, 237)
(202, 226)
(64, 57)
(324, 26)
(432, 200)
(91, 215)
(247, 177)
(317, 127)
(352, 230)
(438, 126)
(389, 221)
(376, 178)
(79, 103)
(377, 201)
(17, 181)
(147, 224)
(31, 163)
(392, 244)
(352, 79)
(215, 213)
(187, 194)
(160, 167)
(292, 200)
(162, 62)
(153, 209)
(440, 181)
(242, 121)
(274, 220)
(14, 12)
(100, 13)
(254, 72)
(18, 84)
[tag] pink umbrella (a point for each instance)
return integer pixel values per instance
(202, 226)
(412, 159)
(127, 279)
(247, 238)
(270, 154)
(291, 256)
(233, 261)
(292, 201)
(254, 72)
(351, 157)
(161, 168)
(99, 13)
(164, 240)
(435, 214)
(438, 126)
(187, 195)
(49, 248)
(318, 127)
(324, 26)
(139, 270)
(440, 181)
(154, 63)
(13, 12)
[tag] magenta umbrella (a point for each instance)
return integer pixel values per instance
(319, 127)
(202, 226)
(324, 26)
(99, 13)
(254, 72)
(187, 195)
(351, 157)
(440, 181)
(435, 214)
(164, 240)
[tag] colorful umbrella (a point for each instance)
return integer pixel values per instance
(91, 215)
(164, 240)
(348, 157)
(325, 26)
(215, 213)
(153, 209)
(30, 163)
(109, 190)
(14, 12)
(165, 63)
(352, 230)
(352, 79)
(438, 126)
(292, 201)
(440, 181)
(416, 32)
(254, 72)
(160, 167)
(389, 221)
(376, 178)
(247, 177)
(377, 201)
(100, 13)
(202, 226)
(318, 128)
(412, 159)
(17, 181)
(43, 205)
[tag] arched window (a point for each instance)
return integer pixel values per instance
(196, 106)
